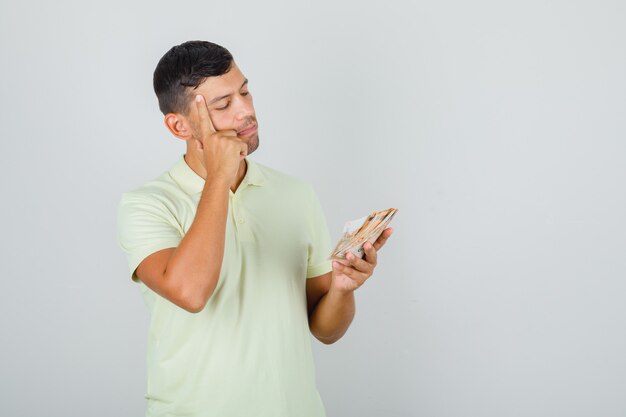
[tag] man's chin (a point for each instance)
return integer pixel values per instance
(253, 144)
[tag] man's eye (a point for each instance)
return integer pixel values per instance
(222, 108)
(245, 93)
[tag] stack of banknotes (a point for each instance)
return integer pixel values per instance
(359, 231)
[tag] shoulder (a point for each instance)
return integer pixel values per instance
(282, 180)
(160, 194)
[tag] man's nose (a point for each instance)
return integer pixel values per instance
(244, 109)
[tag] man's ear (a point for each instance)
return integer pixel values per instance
(179, 125)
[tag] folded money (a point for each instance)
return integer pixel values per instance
(359, 231)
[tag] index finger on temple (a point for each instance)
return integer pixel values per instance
(203, 114)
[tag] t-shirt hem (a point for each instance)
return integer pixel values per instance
(138, 258)
(320, 269)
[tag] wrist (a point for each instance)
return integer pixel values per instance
(339, 293)
(216, 181)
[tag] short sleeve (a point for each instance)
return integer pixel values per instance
(319, 245)
(144, 226)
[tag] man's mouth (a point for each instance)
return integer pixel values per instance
(247, 131)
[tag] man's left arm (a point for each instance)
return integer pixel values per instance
(330, 297)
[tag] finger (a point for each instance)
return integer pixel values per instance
(243, 150)
(206, 124)
(352, 273)
(241, 144)
(371, 254)
(365, 266)
(382, 239)
(342, 261)
(230, 134)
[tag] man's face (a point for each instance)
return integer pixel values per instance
(230, 106)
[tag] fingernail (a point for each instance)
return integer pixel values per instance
(198, 98)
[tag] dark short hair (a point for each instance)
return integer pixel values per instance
(185, 67)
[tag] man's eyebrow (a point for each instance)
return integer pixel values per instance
(216, 99)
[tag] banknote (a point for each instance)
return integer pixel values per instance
(357, 232)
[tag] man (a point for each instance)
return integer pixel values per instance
(231, 257)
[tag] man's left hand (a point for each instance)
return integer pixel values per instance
(350, 273)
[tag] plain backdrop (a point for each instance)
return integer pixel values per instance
(496, 127)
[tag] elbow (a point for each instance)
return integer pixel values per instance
(188, 289)
(196, 303)
(327, 340)
(193, 307)
(192, 300)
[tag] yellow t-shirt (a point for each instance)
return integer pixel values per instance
(248, 352)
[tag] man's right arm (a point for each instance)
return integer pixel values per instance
(188, 274)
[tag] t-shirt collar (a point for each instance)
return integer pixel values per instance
(193, 183)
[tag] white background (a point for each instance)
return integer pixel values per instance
(496, 127)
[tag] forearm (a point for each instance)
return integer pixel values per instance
(194, 267)
(332, 316)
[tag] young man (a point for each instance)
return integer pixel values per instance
(231, 257)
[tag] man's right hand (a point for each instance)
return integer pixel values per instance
(220, 151)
